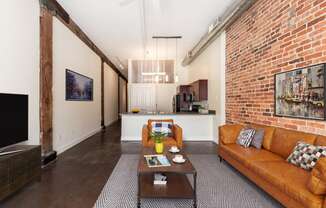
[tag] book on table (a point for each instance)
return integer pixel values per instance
(157, 161)
(160, 179)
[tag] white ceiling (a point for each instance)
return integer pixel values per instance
(119, 29)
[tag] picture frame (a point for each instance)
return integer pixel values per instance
(300, 93)
(78, 87)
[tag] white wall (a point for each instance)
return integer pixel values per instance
(211, 65)
(73, 121)
(19, 62)
(110, 95)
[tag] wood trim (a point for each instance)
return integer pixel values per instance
(58, 11)
(102, 95)
(119, 96)
(127, 96)
(46, 80)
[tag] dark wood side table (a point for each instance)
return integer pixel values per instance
(178, 185)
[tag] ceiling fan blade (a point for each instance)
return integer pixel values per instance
(126, 2)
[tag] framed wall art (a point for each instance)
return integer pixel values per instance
(300, 93)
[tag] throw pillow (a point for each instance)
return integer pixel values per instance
(258, 139)
(245, 137)
(163, 127)
(306, 155)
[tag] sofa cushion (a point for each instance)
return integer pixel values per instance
(306, 155)
(247, 155)
(284, 141)
(268, 134)
(317, 180)
(288, 179)
(228, 133)
(320, 141)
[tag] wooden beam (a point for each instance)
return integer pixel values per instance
(58, 11)
(102, 95)
(54, 6)
(46, 76)
(230, 16)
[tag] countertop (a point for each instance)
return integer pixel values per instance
(211, 112)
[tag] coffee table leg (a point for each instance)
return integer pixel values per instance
(195, 190)
(138, 195)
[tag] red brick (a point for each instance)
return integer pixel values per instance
(253, 60)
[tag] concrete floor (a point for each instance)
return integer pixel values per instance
(77, 177)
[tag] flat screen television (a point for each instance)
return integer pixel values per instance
(13, 119)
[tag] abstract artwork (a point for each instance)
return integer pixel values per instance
(78, 87)
(301, 93)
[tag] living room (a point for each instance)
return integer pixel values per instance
(152, 103)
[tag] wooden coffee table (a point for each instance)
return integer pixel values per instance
(178, 185)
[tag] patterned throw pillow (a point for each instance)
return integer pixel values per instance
(163, 127)
(258, 139)
(245, 137)
(306, 155)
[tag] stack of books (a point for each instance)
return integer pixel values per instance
(160, 179)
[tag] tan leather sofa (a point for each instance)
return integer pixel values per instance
(290, 185)
(175, 140)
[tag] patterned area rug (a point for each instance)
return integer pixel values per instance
(218, 185)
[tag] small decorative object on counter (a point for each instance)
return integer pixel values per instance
(158, 140)
(135, 110)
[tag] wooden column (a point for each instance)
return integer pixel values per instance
(102, 94)
(119, 96)
(126, 96)
(46, 76)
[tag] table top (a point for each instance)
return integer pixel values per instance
(184, 168)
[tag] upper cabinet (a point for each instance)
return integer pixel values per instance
(199, 90)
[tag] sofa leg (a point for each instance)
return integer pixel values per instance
(221, 159)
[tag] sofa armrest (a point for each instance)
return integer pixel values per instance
(177, 134)
(228, 133)
(145, 135)
(317, 180)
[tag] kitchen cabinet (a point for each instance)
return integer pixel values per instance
(199, 90)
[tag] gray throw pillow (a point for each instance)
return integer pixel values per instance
(258, 139)
(245, 137)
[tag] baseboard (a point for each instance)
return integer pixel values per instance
(111, 122)
(75, 142)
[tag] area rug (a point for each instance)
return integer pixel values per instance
(218, 185)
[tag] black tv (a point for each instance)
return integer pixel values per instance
(13, 119)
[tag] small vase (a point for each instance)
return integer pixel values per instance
(159, 148)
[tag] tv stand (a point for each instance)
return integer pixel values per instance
(19, 165)
(5, 152)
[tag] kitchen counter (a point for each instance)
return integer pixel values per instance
(195, 126)
(167, 113)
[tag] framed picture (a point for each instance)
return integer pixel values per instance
(78, 87)
(300, 93)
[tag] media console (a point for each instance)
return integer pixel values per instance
(19, 168)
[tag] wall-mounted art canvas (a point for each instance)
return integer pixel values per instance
(301, 93)
(78, 87)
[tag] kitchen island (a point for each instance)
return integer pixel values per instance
(195, 126)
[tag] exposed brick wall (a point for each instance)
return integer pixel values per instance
(272, 37)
